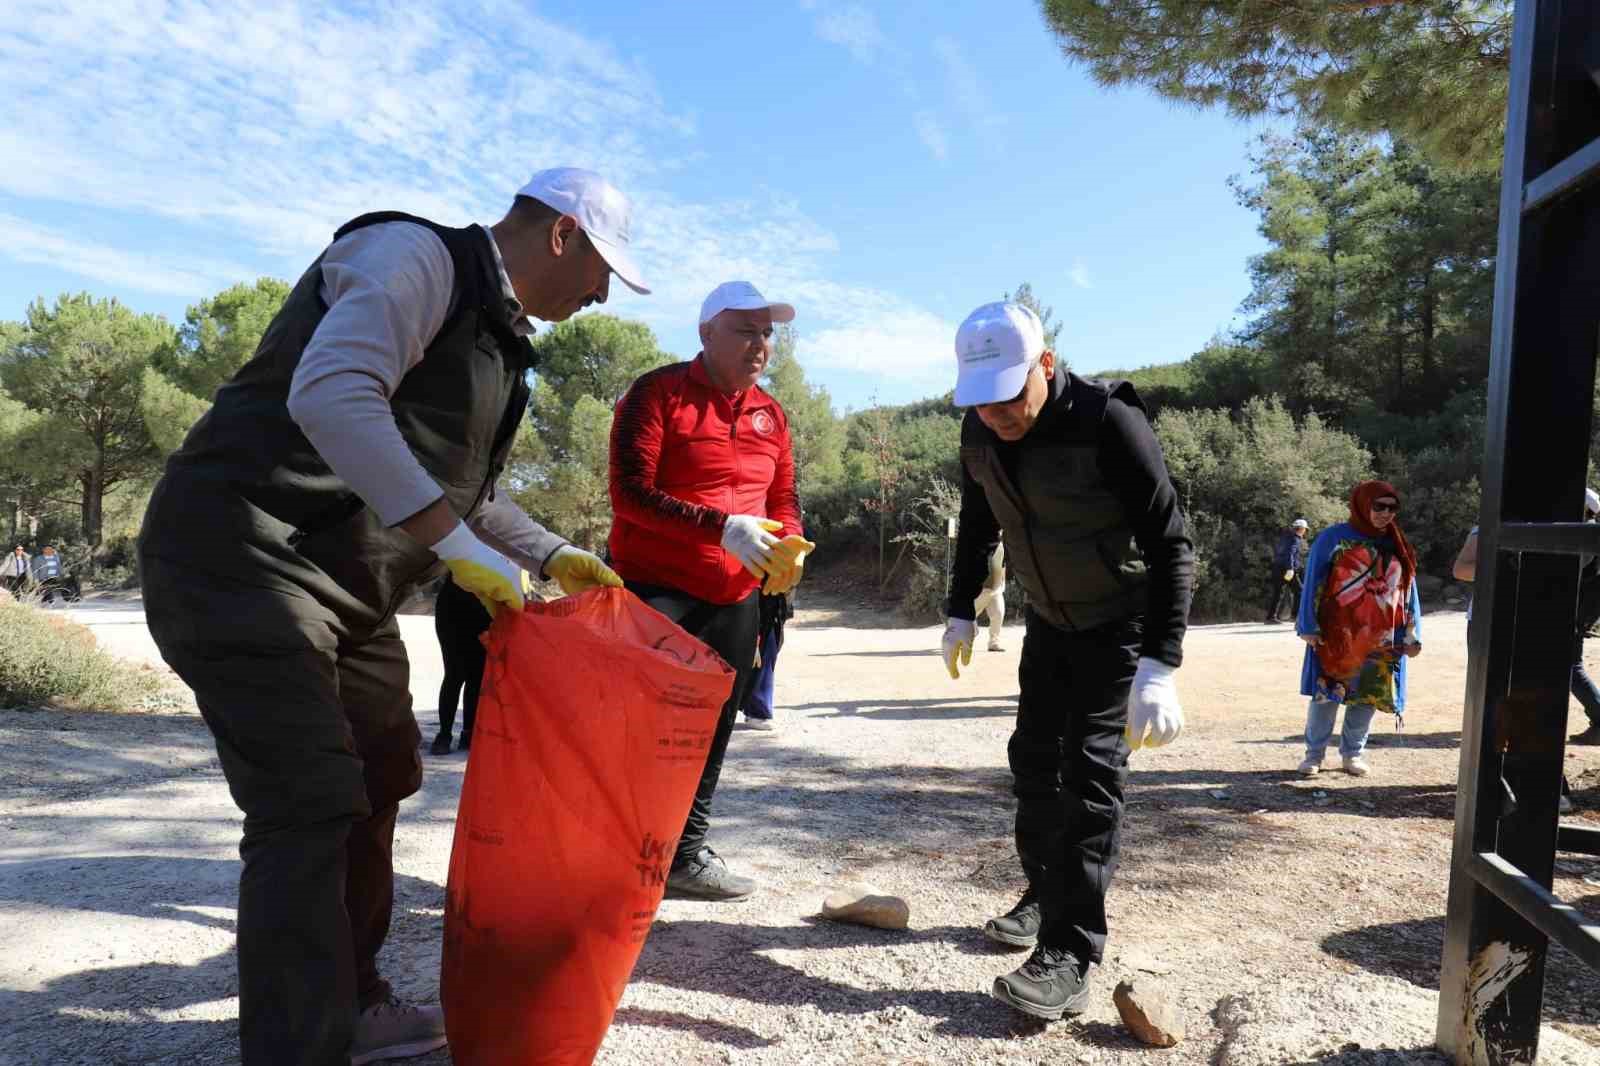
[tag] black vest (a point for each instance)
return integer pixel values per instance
(1066, 536)
(248, 497)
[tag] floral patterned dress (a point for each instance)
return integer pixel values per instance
(1354, 599)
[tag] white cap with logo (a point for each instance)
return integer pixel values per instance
(601, 210)
(1301, 523)
(996, 347)
(742, 296)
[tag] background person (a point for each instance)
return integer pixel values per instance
(1361, 622)
(18, 570)
(759, 701)
(1288, 559)
(459, 622)
(702, 489)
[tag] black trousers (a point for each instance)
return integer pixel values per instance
(459, 621)
(1278, 587)
(318, 743)
(731, 632)
(1069, 764)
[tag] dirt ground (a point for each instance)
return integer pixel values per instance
(1296, 921)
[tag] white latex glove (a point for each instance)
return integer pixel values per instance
(749, 539)
(1154, 714)
(481, 570)
(956, 646)
(1288, 575)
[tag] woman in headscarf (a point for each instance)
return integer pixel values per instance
(1361, 620)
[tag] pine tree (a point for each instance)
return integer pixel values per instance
(1432, 72)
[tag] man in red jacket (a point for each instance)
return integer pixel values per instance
(702, 490)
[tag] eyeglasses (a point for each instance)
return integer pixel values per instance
(1385, 508)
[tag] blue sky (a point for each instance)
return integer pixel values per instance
(885, 167)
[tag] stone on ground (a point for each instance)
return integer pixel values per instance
(1149, 1011)
(866, 905)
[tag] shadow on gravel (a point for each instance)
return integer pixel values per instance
(1247, 791)
(125, 1011)
(915, 710)
(1411, 950)
(712, 1032)
(1380, 739)
(873, 654)
(730, 959)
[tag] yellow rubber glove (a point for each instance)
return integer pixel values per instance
(576, 570)
(956, 646)
(482, 571)
(789, 560)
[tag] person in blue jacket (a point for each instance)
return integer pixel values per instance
(1361, 620)
(1288, 559)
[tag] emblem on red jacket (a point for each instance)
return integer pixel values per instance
(762, 422)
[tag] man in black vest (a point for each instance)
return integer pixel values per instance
(354, 457)
(1068, 471)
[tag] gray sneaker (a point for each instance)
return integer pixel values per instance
(395, 1030)
(705, 876)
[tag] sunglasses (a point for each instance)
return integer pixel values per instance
(1386, 508)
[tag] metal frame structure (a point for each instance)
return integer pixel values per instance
(1546, 333)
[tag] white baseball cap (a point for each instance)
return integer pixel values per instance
(1301, 523)
(601, 210)
(742, 296)
(996, 347)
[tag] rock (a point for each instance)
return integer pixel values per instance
(1149, 1012)
(865, 905)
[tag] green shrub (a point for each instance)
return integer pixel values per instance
(1241, 479)
(44, 658)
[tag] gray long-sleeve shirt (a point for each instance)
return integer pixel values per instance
(388, 290)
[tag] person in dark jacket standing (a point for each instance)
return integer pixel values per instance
(705, 513)
(1288, 564)
(760, 701)
(353, 458)
(1067, 471)
(459, 621)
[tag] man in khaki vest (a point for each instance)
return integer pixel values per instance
(355, 457)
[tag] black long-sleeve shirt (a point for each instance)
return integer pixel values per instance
(1135, 472)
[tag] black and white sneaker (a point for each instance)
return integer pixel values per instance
(1050, 984)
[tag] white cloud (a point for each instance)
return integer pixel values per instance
(853, 27)
(1079, 275)
(962, 80)
(26, 242)
(260, 136)
(932, 134)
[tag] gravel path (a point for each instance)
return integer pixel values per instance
(1309, 912)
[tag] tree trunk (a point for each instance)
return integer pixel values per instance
(93, 502)
(883, 535)
(1430, 302)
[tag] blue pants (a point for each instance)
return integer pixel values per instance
(1320, 716)
(758, 704)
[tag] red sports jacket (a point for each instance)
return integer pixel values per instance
(685, 456)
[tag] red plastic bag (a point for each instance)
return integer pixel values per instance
(591, 734)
